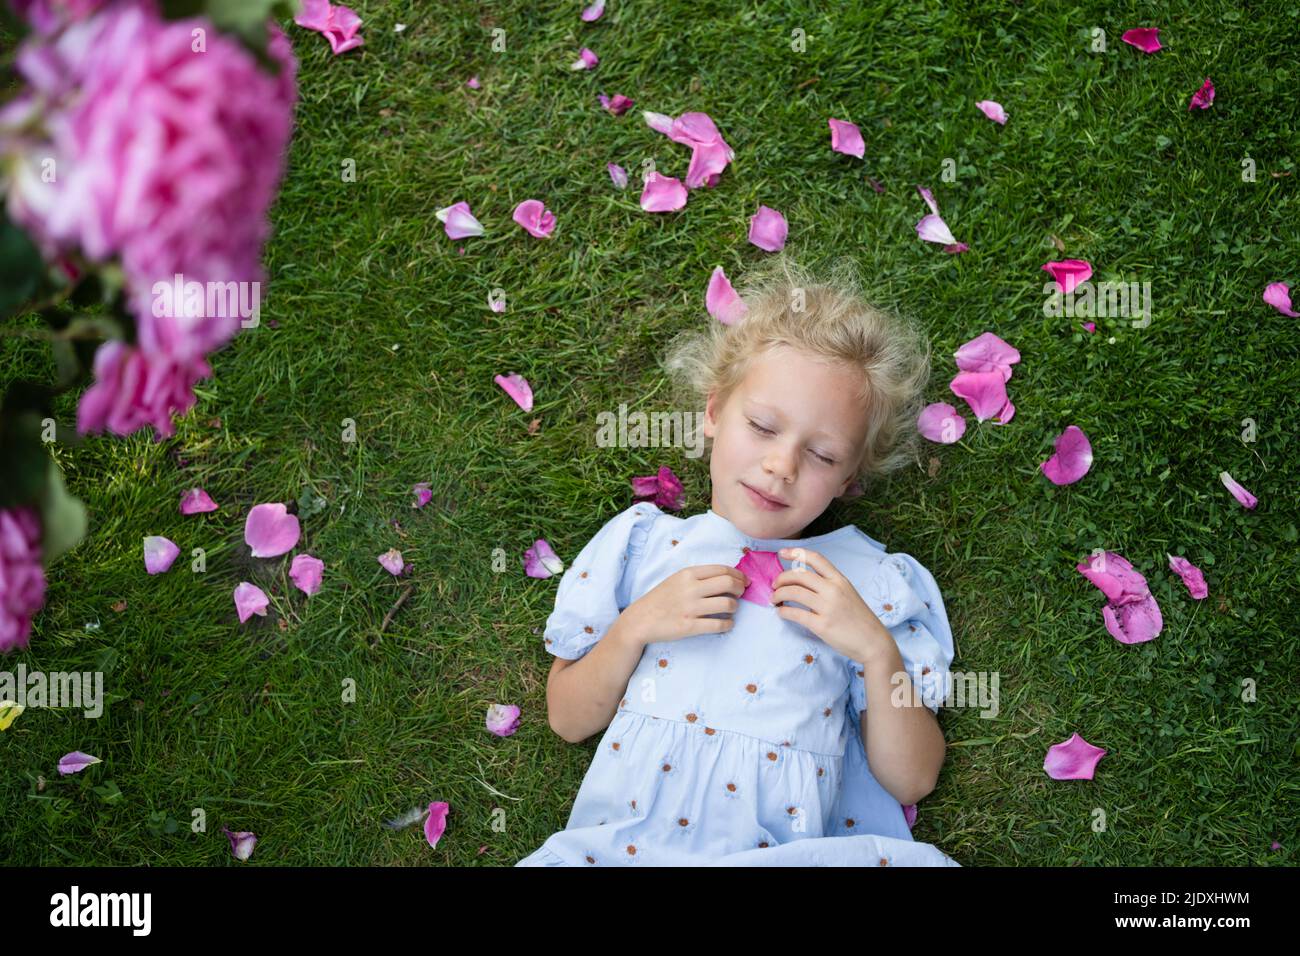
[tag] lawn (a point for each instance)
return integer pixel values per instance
(373, 314)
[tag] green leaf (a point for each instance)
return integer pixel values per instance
(23, 455)
(63, 517)
(20, 267)
(109, 792)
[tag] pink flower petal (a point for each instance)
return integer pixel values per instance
(517, 387)
(1117, 579)
(305, 571)
(314, 15)
(721, 299)
(1146, 39)
(941, 423)
(762, 568)
(423, 494)
(1241, 494)
(909, 814)
(250, 600)
(535, 218)
(694, 129)
(594, 11)
(458, 222)
(1133, 623)
(984, 392)
(1068, 273)
(929, 199)
(541, 561)
(472, 83)
(662, 193)
(618, 174)
(1074, 759)
(768, 229)
(196, 501)
(392, 561)
(76, 762)
(1278, 295)
(270, 530)
(159, 553)
(1072, 458)
(847, 138)
(931, 228)
(1192, 576)
(986, 353)
(241, 844)
(954, 248)
(618, 104)
(503, 719)
(1091, 327)
(707, 163)
(659, 122)
(670, 493)
(1203, 97)
(436, 822)
(993, 111)
(586, 60)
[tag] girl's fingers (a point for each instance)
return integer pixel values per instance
(802, 595)
(812, 559)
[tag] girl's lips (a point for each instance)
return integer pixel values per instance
(759, 501)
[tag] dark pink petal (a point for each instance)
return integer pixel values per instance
(847, 138)
(503, 719)
(517, 387)
(1192, 576)
(1146, 39)
(722, 301)
(645, 487)
(250, 600)
(618, 104)
(1072, 458)
(436, 822)
(1068, 273)
(984, 392)
(76, 762)
(909, 814)
(314, 15)
(586, 60)
(305, 571)
(1074, 759)
(535, 218)
(768, 229)
(662, 193)
(987, 353)
(762, 568)
(941, 423)
(1091, 327)
(541, 561)
(954, 248)
(594, 11)
(159, 553)
(1117, 579)
(423, 494)
(1278, 295)
(1005, 415)
(270, 530)
(993, 111)
(392, 561)
(1203, 97)
(1133, 623)
(618, 174)
(1241, 494)
(670, 493)
(241, 844)
(196, 501)
(458, 222)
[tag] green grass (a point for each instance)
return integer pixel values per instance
(246, 721)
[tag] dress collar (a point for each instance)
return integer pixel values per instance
(772, 544)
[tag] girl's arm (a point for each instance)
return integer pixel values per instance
(582, 696)
(904, 744)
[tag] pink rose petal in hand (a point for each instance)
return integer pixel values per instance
(762, 568)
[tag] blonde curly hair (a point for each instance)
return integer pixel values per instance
(826, 319)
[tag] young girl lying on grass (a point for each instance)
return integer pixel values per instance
(735, 706)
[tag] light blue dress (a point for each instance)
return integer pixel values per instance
(739, 748)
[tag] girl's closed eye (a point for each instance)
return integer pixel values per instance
(767, 431)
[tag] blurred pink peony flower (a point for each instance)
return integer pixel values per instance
(133, 389)
(22, 578)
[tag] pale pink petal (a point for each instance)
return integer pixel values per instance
(1241, 494)
(847, 138)
(768, 229)
(762, 568)
(594, 11)
(241, 843)
(1068, 273)
(707, 163)
(313, 15)
(423, 494)
(618, 174)
(1074, 759)
(586, 60)
(159, 553)
(929, 199)
(503, 719)
(535, 218)
(659, 122)
(941, 423)
(1146, 39)
(345, 20)
(1072, 458)
(1005, 414)
(986, 353)
(1192, 576)
(496, 304)
(1278, 295)
(694, 129)
(1203, 97)
(459, 223)
(933, 229)
(270, 530)
(305, 571)
(196, 501)
(1133, 623)
(436, 822)
(392, 561)
(993, 111)
(662, 193)
(722, 301)
(541, 561)
(76, 762)
(984, 392)
(250, 600)
(517, 387)
(472, 83)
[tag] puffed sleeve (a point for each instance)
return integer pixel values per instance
(594, 589)
(904, 595)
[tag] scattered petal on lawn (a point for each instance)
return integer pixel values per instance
(662, 193)
(1131, 613)
(762, 568)
(1133, 623)
(458, 222)
(1072, 458)
(665, 487)
(1192, 576)
(847, 138)
(710, 153)
(586, 60)
(392, 561)
(241, 844)
(929, 199)
(9, 711)
(1074, 759)
(618, 174)
(594, 11)
(1241, 494)
(196, 501)
(768, 229)
(722, 301)
(338, 24)
(423, 494)
(1068, 273)
(1278, 295)
(270, 530)
(535, 218)
(707, 163)
(993, 111)
(496, 303)
(436, 822)
(1203, 97)
(659, 122)
(909, 814)
(984, 392)
(941, 423)
(1006, 414)
(932, 228)
(618, 104)
(472, 83)
(541, 561)
(517, 387)
(987, 353)
(159, 553)
(1146, 39)
(305, 571)
(503, 719)
(1091, 327)
(250, 600)
(76, 762)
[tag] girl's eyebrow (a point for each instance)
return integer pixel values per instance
(822, 433)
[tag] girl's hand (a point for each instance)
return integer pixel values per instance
(837, 614)
(676, 607)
